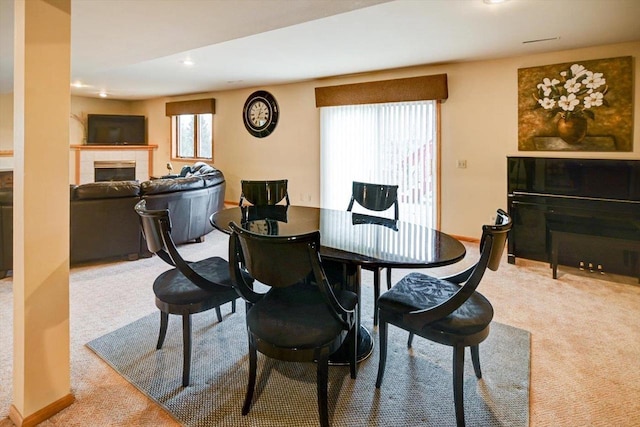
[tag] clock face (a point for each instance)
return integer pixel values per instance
(260, 114)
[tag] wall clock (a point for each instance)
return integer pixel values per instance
(260, 114)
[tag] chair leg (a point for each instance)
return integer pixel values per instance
(382, 333)
(475, 358)
(219, 314)
(376, 295)
(253, 365)
(164, 321)
(410, 340)
(322, 384)
(458, 383)
(186, 343)
(233, 306)
(388, 278)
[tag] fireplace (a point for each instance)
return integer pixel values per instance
(114, 170)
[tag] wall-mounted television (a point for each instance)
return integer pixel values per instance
(111, 129)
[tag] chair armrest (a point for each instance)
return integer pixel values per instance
(474, 275)
(341, 314)
(184, 267)
(238, 281)
(460, 277)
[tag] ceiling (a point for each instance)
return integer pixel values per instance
(133, 49)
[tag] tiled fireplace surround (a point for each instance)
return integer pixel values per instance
(83, 157)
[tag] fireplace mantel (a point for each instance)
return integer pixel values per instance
(85, 155)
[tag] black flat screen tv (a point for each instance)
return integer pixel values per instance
(111, 129)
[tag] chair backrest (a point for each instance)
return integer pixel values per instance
(499, 232)
(156, 228)
(153, 222)
(491, 249)
(280, 262)
(277, 261)
(274, 212)
(262, 193)
(374, 197)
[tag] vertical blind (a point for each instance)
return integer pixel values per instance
(389, 143)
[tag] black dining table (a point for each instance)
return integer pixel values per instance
(351, 240)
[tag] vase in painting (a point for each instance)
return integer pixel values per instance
(572, 129)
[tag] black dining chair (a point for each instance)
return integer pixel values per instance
(301, 318)
(262, 193)
(377, 198)
(446, 310)
(188, 287)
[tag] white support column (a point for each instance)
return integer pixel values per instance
(41, 355)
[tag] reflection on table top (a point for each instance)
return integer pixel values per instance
(350, 237)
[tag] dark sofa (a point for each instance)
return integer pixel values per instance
(104, 225)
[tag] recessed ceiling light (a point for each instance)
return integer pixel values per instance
(78, 84)
(103, 94)
(494, 1)
(187, 62)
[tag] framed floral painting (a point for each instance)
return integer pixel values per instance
(576, 106)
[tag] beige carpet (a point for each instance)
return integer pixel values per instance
(585, 341)
(417, 388)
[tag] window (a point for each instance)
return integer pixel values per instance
(383, 132)
(193, 136)
(192, 128)
(388, 143)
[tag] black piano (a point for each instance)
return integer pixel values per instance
(583, 213)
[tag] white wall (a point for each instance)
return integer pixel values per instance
(479, 124)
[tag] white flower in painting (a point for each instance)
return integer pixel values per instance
(572, 86)
(593, 80)
(577, 70)
(547, 103)
(568, 102)
(547, 84)
(576, 93)
(593, 100)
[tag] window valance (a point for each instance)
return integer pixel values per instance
(195, 106)
(397, 90)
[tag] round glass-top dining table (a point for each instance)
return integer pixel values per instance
(351, 239)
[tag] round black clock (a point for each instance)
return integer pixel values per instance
(260, 114)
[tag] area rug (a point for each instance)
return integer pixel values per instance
(417, 388)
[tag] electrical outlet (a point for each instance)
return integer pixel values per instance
(462, 164)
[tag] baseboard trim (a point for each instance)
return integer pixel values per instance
(41, 415)
(466, 239)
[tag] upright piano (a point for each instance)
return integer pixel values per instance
(583, 213)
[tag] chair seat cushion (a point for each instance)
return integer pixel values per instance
(297, 317)
(172, 287)
(418, 291)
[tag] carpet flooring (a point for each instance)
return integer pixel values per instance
(585, 341)
(417, 388)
